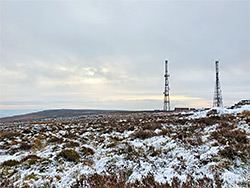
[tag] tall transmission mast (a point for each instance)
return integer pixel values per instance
(166, 106)
(217, 92)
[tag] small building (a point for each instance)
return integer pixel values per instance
(181, 109)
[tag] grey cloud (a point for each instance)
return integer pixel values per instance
(124, 44)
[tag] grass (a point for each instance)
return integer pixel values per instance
(32, 176)
(195, 140)
(245, 114)
(75, 145)
(35, 157)
(69, 155)
(55, 139)
(121, 181)
(142, 134)
(9, 135)
(10, 163)
(25, 146)
(87, 150)
(235, 141)
(72, 144)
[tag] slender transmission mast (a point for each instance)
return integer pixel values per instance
(217, 92)
(166, 106)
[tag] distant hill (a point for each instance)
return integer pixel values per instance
(59, 113)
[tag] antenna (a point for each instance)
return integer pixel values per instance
(166, 106)
(217, 92)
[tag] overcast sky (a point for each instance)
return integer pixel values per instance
(110, 54)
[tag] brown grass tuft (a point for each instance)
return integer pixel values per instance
(69, 155)
(143, 134)
(10, 163)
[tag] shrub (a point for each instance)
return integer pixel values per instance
(208, 120)
(142, 134)
(118, 181)
(131, 153)
(228, 152)
(7, 183)
(246, 113)
(166, 132)
(151, 126)
(153, 152)
(87, 151)
(26, 131)
(69, 155)
(195, 141)
(70, 135)
(32, 161)
(55, 139)
(100, 181)
(112, 144)
(25, 146)
(10, 163)
(9, 134)
(72, 144)
(30, 157)
(37, 144)
(31, 176)
(240, 136)
(218, 179)
(203, 182)
(226, 135)
(181, 121)
(238, 150)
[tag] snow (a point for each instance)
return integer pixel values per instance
(62, 132)
(231, 179)
(174, 158)
(232, 111)
(209, 153)
(5, 157)
(220, 111)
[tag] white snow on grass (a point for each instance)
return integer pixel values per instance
(164, 156)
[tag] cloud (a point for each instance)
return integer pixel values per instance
(94, 54)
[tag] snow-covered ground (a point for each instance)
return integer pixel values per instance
(198, 149)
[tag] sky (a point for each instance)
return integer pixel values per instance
(110, 54)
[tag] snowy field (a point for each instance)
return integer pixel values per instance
(189, 149)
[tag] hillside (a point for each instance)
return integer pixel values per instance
(192, 149)
(57, 114)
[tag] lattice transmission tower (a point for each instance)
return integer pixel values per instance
(166, 106)
(217, 92)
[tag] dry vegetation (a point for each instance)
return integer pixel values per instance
(115, 150)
